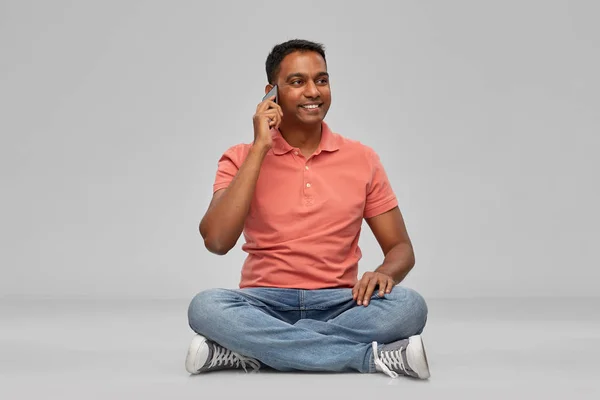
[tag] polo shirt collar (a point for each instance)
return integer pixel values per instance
(328, 141)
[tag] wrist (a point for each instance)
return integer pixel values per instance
(388, 270)
(260, 149)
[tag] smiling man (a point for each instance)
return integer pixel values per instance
(299, 193)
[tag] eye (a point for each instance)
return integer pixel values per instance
(295, 81)
(324, 81)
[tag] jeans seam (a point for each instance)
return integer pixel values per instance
(302, 307)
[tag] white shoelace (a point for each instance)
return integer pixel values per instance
(389, 358)
(223, 356)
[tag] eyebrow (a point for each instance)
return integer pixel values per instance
(300, 75)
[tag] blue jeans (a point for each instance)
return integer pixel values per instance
(306, 330)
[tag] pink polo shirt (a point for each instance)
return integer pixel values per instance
(305, 219)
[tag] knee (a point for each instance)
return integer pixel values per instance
(202, 306)
(420, 310)
(415, 308)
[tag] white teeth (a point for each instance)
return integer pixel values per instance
(311, 106)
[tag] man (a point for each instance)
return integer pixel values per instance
(299, 193)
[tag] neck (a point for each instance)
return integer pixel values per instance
(303, 137)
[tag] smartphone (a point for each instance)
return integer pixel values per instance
(271, 93)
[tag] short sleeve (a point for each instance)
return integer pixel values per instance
(380, 196)
(228, 166)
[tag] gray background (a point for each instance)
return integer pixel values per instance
(114, 114)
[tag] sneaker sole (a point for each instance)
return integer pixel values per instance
(417, 358)
(190, 359)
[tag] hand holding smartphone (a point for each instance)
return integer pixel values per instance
(268, 116)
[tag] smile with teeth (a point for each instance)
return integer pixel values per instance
(311, 106)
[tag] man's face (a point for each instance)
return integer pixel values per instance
(303, 83)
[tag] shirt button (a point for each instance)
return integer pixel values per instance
(295, 153)
(308, 185)
(306, 167)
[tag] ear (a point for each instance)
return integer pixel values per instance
(268, 88)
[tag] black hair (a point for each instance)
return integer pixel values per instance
(283, 49)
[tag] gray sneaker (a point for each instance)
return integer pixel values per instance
(204, 355)
(405, 357)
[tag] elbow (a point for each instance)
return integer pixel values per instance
(412, 259)
(215, 246)
(213, 241)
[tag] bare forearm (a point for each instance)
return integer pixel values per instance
(398, 262)
(224, 221)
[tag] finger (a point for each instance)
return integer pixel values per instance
(369, 291)
(271, 105)
(271, 113)
(266, 116)
(263, 105)
(390, 285)
(277, 120)
(272, 116)
(267, 104)
(275, 106)
(364, 283)
(355, 291)
(269, 99)
(383, 282)
(362, 287)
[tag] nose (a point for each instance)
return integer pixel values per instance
(311, 90)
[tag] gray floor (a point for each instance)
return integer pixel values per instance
(477, 349)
